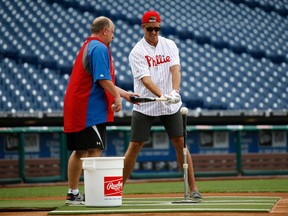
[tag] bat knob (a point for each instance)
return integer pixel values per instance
(133, 99)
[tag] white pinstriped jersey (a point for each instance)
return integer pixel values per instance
(147, 60)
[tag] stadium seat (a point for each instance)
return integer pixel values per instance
(233, 55)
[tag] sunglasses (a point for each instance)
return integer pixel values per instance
(156, 29)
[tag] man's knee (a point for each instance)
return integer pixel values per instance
(94, 152)
(178, 141)
(80, 153)
(135, 147)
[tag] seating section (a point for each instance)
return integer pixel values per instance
(234, 53)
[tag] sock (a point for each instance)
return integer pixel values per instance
(73, 191)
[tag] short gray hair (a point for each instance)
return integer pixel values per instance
(99, 23)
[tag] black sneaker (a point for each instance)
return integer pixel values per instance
(72, 199)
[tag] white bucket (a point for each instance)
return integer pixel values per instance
(103, 181)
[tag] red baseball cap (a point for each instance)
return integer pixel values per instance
(151, 17)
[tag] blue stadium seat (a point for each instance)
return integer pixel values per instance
(231, 53)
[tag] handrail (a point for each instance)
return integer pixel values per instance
(126, 129)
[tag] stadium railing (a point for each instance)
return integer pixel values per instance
(25, 156)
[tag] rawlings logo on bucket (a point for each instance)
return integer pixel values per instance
(113, 185)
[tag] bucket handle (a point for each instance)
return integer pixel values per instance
(84, 166)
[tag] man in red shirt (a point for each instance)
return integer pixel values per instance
(90, 102)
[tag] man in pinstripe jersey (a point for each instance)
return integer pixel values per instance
(155, 65)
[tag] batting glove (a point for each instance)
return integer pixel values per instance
(168, 97)
(176, 98)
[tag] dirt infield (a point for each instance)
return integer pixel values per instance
(281, 208)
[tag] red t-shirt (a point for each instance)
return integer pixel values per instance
(86, 103)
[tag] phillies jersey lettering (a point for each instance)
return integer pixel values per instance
(159, 59)
(155, 62)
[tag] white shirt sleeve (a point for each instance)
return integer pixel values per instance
(175, 59)
(138, 64)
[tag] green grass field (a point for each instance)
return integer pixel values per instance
(211, 186)
(10, 197)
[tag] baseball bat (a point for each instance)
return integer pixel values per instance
(136, 99)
